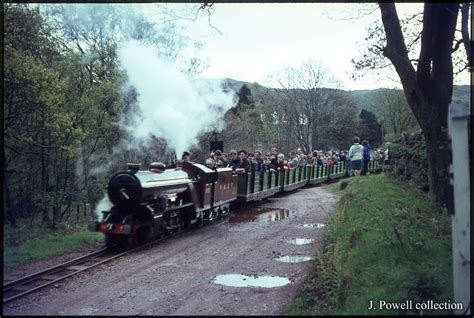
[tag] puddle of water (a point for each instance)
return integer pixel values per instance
(294, 258)
(237, 280)
(260, 215)
(314, 225)
(300, 241)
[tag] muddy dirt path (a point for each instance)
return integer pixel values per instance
(178, 276)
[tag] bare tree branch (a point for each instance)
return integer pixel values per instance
(207, 6)
(457, 45)
(395, 49)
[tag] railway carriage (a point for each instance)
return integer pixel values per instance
(319, 174)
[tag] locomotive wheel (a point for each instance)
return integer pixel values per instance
(121, 242)
(176, 223)
(129, 243)
(110, 242)
(199, 223)
(145, 234)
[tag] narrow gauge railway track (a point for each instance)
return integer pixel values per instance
(28, 284)
(31, 283)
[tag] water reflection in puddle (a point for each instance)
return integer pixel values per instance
(294, 258)
(313, 225)
(238, 280)
(300, 241)
(260, 215)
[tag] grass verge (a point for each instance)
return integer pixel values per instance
(24, 243)
(385, 243)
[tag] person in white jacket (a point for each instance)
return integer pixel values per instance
(355, 155)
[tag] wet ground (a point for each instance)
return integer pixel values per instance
(252, 262)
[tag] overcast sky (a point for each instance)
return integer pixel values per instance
(257, 39)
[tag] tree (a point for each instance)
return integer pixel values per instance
(428, 88)
(314, 111)
(370, 129)
(245, 101)
(243, 123)
(39, 138)
(394, 114)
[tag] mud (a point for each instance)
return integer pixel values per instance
(178, 276)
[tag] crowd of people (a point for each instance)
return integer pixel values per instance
(358, 157)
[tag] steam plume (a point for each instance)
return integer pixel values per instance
(171, 105)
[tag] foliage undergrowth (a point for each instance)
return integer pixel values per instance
(409, 162)
(385, 242)
(26, 243)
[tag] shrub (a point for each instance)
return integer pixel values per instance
(408, 162)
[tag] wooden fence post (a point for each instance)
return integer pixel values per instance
(460, 221)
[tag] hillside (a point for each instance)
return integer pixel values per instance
(365, 99)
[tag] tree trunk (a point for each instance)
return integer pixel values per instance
(8, 216)
(439, 158)
(428, 89)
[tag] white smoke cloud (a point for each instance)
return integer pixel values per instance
(172, 106)
(103, 205)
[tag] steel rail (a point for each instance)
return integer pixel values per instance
(10, 286)
(52, 269)
(42, 275)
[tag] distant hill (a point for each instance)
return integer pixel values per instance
(365, 99)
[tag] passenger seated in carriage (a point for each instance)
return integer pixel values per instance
(273, 156)
(280, 165)
(260, 167)
(319, 159)
(209, 163)
(251, 159)
(293, 160)
(218, 163)
(301, 160)
(343, 156)
(244, 162)
(224, 160)
(186, 156)
(310, 160)
(268, 164)
(234, 162)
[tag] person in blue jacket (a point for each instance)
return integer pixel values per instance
(366, 157)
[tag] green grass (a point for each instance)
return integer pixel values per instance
(385, 242)
(24, 243)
